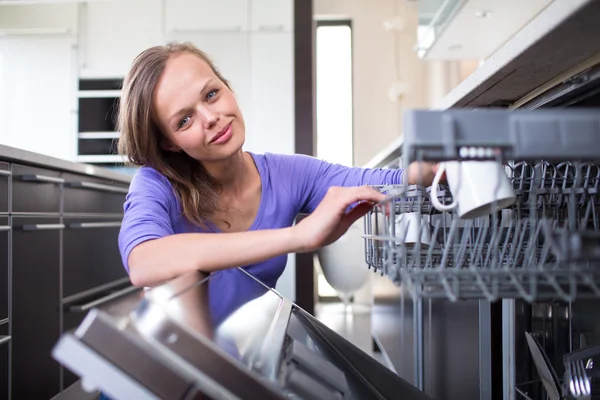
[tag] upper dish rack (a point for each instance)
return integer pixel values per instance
(545, 245)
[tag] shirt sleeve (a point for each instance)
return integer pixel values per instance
(312, 178)
(147, 211)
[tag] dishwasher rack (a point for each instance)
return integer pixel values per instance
(546, 245)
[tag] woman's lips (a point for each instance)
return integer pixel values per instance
(222, 136)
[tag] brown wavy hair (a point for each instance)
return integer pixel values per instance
(141, 137)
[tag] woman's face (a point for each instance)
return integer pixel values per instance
(198, 114)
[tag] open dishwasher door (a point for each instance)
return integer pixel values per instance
(187, 339)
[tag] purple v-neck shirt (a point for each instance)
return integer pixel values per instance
(291, 184)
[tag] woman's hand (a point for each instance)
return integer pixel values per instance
(422, 173)
(330, 220)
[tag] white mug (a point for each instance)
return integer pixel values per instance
(414, 228)
(479, 188)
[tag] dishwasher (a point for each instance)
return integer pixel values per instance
(185, 340)
(532, 247)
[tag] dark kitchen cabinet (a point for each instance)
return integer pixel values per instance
(59, 257)
(35, 190)
(36, 306)
(92, 196)
(91, 255)
(4, 360)
(4, 267)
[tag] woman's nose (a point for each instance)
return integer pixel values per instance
(208, 116)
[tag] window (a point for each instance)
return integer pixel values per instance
(333, 103)
(334, 91)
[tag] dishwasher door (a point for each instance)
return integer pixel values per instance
(186, 340)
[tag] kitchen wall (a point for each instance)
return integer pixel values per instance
(381, 58)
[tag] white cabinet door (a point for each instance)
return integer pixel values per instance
(37, 95)
(272, 15)
(115, 32)
(206, 15)
(42, 19)
(272, 126)
(230, 52)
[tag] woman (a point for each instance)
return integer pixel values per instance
(200, 202)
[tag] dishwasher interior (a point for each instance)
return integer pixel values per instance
(529, 271)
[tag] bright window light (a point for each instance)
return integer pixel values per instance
(334, 93)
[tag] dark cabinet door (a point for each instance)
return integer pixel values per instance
(35, 190)
(36, 307)
(4, 361)
(4, 178)
(91, 255)
(4, 282)
(87, 195)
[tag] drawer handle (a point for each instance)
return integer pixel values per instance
(42, 227)
(90, 225)
(102, 300)
(42, 178)
(4, 228)
(4, 339)
(4, 172)
(98, 186)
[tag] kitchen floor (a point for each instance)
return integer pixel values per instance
(353, 324)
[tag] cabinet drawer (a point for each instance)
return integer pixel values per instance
(4, 283)
(91, 255)
(35, 190)
(4, 177)
(88, 195)
(35, 317)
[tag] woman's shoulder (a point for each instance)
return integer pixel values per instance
(151, 181)
(286, 162)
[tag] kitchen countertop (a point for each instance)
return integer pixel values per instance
(561, 38)
(16, 155)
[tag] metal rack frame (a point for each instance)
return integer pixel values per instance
(546, 245)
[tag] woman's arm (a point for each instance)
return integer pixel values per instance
(154, 254)
(312, 177)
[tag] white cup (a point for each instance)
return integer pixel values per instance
(479, 188)
(414, 228)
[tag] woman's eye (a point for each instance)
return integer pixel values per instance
(184, 121)
(211, 95)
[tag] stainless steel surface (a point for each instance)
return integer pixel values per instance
(42, 178)
(193, 335)
(42, 227)
(450, 346)
(485, 350)
(508, 349)
(91, 225)
(103, 300)
(97, 186)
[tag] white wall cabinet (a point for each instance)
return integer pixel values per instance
(38, 19)
(206, 15)
(37, 79)
(113, 33)
(272, 125)
(272, 15)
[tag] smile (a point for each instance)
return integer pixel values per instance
(223, 136)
